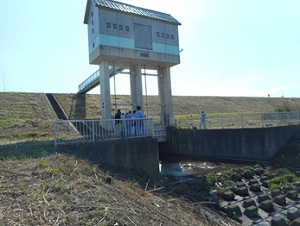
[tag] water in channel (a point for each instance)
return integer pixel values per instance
(182, 166)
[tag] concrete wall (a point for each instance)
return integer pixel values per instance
(130, 154)
(250, 144)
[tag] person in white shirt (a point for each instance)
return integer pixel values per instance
(202, 120)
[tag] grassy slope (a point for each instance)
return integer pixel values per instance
(66, 190)
(79, 107)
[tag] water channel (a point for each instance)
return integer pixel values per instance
(184, 166)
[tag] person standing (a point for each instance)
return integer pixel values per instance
(118, 123)
(203, 120)
(129, 122)
(139, 122)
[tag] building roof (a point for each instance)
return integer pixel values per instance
(126, 8)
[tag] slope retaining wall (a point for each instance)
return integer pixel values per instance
(247, 144)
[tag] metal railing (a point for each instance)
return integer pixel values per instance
(77, 131)
(255, 120)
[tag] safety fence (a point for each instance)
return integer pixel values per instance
(254, 120)
(77, 131)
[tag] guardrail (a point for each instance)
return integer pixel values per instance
(77, 131)
(255, 120)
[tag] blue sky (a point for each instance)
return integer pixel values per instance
(230, 47)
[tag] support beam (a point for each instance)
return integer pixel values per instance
(165, 94)
(105, 90)
(136, 86)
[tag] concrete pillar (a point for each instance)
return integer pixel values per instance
(105, 90)
(136, 86)
(165, 94)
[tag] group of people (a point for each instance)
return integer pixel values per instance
(134, 123)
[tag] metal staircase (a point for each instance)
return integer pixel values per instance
(94, 80)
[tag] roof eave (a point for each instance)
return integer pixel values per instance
(87, 11)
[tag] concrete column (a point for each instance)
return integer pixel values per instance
(136, 86)
(165, 94)
(105, 90)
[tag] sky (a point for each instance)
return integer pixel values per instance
(245, 48)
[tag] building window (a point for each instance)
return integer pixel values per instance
(92, 22)
(93, 30)
(172, 36)
(167, 36)
(157, 34)
(121, 27)
(115, 26)
(142, 36)
(162, 35)
(126, 28)
(92, 14)
(108, 25)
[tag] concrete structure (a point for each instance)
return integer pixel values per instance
(129, 37)
(143, 153)
(137, 154)
(245, 144)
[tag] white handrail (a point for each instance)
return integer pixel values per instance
(74, 131)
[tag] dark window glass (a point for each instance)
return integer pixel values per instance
(167, 35)
(172, 36)
(162, 35)
(121, 27)
(115, 26)
(142, 36)
(126, 28)
(157, 34)
(108, 25)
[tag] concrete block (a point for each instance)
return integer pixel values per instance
(276, 192)
(242, 191)
(233, 211)
(228, 196)
(287, 188)
(265, 184)
(252, 181)
(293, 214)
(255, 187)
(251, 211)
(280, 200)
(262, 197)
(293, 194)
(278, 220)
(267, 206)
(247, 174)
(297, 184)
(296, 222)
(249, 202)
(263, 178)
(240, 184)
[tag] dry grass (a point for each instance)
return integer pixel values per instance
(64, 190)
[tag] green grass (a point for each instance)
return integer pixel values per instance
(287, 177)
